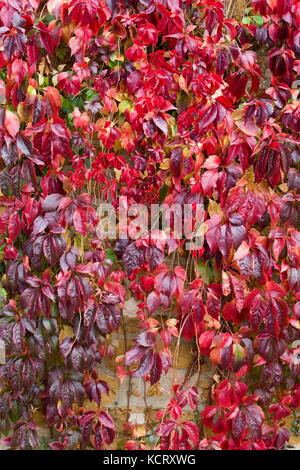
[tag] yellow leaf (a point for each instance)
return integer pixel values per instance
(165, 164)
(119, 96)
(284, 187)
(139, 431)
(68, 240)
(25, 112)
(123, 105)
(182, 84)
(214, 208)
(186, 152)
(118, 174)
(172, 322)
(238, 353)
(119, 358)
(60, 67)
(66, 332)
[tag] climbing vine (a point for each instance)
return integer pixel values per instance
(149, 102)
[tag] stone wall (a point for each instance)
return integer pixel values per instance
(137, 402)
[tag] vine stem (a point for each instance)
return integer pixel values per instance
(129, 376)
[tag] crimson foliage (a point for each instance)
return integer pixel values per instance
(159, 101)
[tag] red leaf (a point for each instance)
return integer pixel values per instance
(146, 339)
(256, 312)
(166, 427)
(224, 394)
(156, 369)
(242, 251)
(192, 430)
(80, 221)
(14, 225)
(254, 419)
(46, 38)
(111, 5)
(226, 288)
(83, 12)
(238, 293)
(134, 355)
(161, 124)
(226, 356)
(145, 365)
(208, 415)
(239, 425)
(106, 420)
(205, 339)
(213, 306)
(133, 258)
(153, 302)
(270, 316)
(148, 34)
(12, 123)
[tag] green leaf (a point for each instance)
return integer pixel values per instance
(78, 102)
(90, 94)
(110, 254)
(112, 64)
(67, 106)
(216, 417)
(163, 192)
(258, 19)
(2, 296)
(246, 20)
(124, 105)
